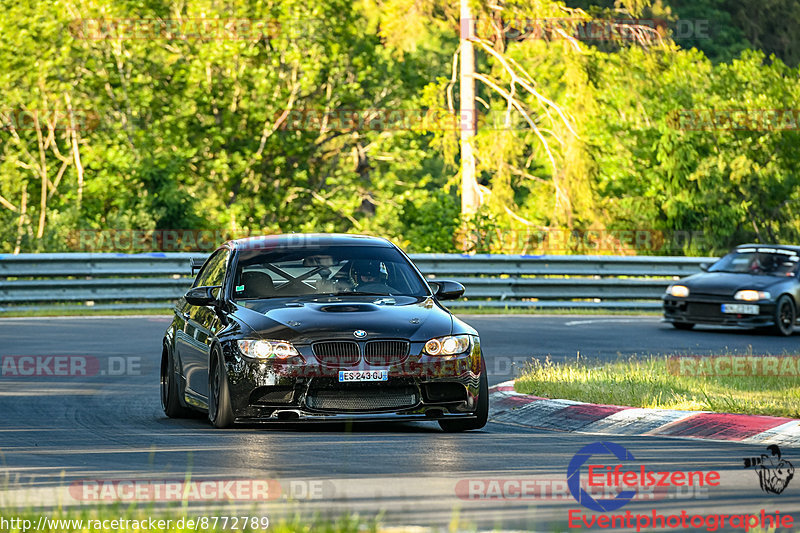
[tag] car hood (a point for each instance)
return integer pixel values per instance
(307, 320)
(727, 283)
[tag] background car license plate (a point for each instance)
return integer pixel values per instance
(363, 375)
(740, 309)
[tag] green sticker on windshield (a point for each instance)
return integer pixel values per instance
(239, 288)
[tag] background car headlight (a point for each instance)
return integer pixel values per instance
(448, 345)
(751, 296)
(268, 349)
(678, 291)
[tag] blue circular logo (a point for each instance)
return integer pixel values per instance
(574, 476)
(360, 333)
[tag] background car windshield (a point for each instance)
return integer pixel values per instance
(758, 262)
(291, 272)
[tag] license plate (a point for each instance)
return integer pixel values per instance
(363, 375)
(740, 309)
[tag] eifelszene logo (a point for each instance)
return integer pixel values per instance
(630, 479)
(774, 473)
(622, 479)
(574, 476)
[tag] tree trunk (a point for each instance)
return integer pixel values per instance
(469, 186)
(75, 151)
(23, 211)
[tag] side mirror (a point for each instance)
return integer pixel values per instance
(704, 267)
(201, 296)
(447, 290)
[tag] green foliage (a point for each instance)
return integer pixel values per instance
(630, 164)
(735, 186)
(722, 29)
(196, 133)
(186, 131)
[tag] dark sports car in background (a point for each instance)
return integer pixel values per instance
(753, 286)
(321, 327)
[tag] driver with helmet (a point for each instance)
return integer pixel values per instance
(366, 273)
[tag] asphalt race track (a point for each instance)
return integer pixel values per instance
(63, 437)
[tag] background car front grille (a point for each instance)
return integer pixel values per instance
(712, 293)
(337, 353)
(386, 352)
(363, 399)
(705, 310)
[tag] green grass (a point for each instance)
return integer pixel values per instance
(647, 382)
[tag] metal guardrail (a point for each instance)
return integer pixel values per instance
(155, 280)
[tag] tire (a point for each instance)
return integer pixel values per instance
(457, 426)
(170, 389)
(220, 413)
(785, 316)
(686, 326)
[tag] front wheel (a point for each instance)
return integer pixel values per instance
(220, 413)
(482, 413)
(785, 316)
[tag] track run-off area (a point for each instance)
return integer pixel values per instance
(82, 440)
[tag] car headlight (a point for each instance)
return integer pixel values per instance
(678, 291)
(450, 345)
(751, 295)
(267, 349)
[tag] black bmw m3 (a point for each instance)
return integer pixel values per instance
(753, 286)
(321, 327)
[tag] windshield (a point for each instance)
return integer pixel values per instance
(340, 270)
(758, 261)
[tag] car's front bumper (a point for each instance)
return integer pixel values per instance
(287, 416)
(708, 310)
(420, 388)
